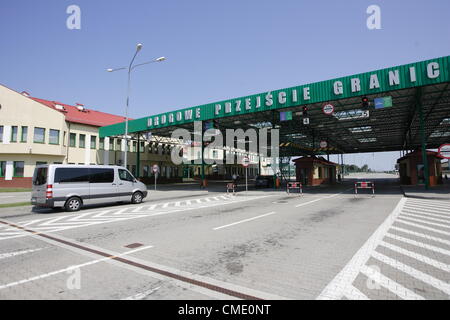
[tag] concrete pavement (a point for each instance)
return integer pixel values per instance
(194, 244)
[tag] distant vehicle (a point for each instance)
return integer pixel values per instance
(72, 186)
(264, 182)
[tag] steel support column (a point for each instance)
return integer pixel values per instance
(138, 156)
(423, 141)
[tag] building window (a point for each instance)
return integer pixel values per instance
(119, 145)
(142, 146)
(145, 171)
(64, 138)
(134, 146)
(215, 155)
(111, 144)
(24, 134)
(2, 168)
(82, 142)
(40, 163)
(73, 140)
(14, 134)
(39, 135)
(53, 136)
(101, 144)
(19, 168)
(1, 133)
(93, 142)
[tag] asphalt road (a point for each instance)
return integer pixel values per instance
(194, 244)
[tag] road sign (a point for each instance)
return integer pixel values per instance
(444, 151)
(384, 102)
(323, 144)
(305, 121)
(245, 162)
(328, 109)
(155, 168)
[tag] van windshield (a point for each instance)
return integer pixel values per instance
(40, 176)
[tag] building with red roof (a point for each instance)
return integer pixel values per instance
(314, 171)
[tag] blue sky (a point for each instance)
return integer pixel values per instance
(215, 49)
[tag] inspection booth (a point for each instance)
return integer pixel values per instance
(314, 171)
(412, 169)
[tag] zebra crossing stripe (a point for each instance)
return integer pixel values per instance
(353, 293)
(424, 221)
(421, 235)
(390, 284)
(399, 220)
(413, 215)
(438, 284)
(344, 279)
(417, 256)
(413, 224)
(428, 214)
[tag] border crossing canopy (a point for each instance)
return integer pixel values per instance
(380, 110)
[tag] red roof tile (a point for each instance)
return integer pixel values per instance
(88, 116)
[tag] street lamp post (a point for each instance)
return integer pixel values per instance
(131, 68)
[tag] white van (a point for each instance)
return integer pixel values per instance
(72, 186)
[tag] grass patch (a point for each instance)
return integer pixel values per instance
(15, 190)
(17, 204)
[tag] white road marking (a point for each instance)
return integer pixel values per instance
(427, 217)
(353, 293)
(417, 256)
(424, 221)
(441, 285)
(428, 214)
(322, 198)
(418, 244)
(444, 212)
(344, 279)
(108, 216)
(49, 274)
(142, 295)
(342, 284)
(245, 220)
(390, 284)
(17, 253)
(309, 202)
(421, 235)
(424, 227)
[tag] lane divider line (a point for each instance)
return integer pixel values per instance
(245, 220)
(49, 274)
(209, 284)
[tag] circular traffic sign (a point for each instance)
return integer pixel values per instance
(328, 109)
(444, 151)
(245, 162)
(323, 144)
(155, 168)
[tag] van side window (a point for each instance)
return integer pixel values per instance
(102, 175)
(71, 175)
(125, 175)
(41, 177)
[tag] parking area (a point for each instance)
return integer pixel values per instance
(189, 243)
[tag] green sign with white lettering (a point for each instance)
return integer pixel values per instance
(401, 77)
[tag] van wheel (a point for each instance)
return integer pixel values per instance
(73, 204)
(137, 197)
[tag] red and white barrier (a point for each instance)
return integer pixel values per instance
(294, 185)
(365, 185)
(231, 187)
